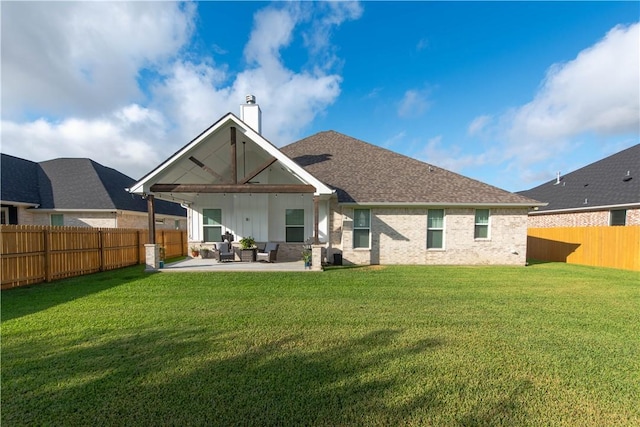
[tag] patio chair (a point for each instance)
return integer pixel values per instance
(269, 254)
(224, 251)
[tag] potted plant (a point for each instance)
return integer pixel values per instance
(162, 252)
(204, 251)
(195, 251)
(306, 257)
(248, 249)
(247, 243)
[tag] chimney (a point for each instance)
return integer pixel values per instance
(250, 114)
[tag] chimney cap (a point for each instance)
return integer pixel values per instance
(251, 99)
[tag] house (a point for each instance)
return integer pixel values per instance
(357, 202)
(76, 192)
(603, 193)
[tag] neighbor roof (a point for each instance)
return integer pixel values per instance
(612, 181)
(19, 180)
(73, 183)
(367, 174)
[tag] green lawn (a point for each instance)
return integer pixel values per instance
(549, 344)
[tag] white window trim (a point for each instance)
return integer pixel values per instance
(444, 227)
(353, 243)
(488, 224)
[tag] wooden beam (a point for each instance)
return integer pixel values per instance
(234, 156)
(257, 170)
(151, 212)
(232, 188)
(207, 169)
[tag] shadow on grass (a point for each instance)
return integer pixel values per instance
(193, 378)
(25, 300)
(203, 377)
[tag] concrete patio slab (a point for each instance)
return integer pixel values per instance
(211, 265)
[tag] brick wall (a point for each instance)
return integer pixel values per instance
(399, 236)
(579, 219)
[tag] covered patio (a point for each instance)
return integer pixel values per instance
(212, 265)
(235, 184)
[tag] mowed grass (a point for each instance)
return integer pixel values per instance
(549, 344)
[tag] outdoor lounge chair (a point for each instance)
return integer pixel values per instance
(224, 252)
(269, 254)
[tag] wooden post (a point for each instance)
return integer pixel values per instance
(47, 254)
(102, 254)
(152, 218)
(316, 226)
(234, 156)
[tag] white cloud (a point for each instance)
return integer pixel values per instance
(595, 96)
(123, 140)
(90, 102)
(597, 92)
(414, 103)
(450, 157)
(478, 125)
(82, 58)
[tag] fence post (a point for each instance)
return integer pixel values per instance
(46, 236)
(101, 250)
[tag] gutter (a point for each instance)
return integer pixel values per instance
(443, 205)
(586, 209)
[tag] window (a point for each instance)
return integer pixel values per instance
(294, 225)
(361, 228)
(618, 217)
(57, 219)
(482, 224)
(4, 216)
(212, 225)
(435, 228)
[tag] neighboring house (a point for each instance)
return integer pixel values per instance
(365, 203)
(603, 193)
(76, 192)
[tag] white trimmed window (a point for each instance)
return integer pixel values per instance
(435, 229)
(618, 217)
(481, 224)
(212, 225)
(361, 228)
(294, 225)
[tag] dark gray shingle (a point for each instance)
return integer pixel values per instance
(364, 173)
(614, 180)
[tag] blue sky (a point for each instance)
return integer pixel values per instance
(505, 92)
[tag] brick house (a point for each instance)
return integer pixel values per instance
(76, 192)
(367, 204)
(603, 193)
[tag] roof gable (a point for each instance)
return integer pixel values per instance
(207, 160)
(614, 180)
(367, 174)
(73, 183)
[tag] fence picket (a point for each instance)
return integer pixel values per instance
(32, 254)
(615, 247)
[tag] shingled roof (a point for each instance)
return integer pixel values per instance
(73, 183)
(612, 181)
(367, 174)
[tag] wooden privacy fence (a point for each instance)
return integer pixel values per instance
(35, 254)
(615, 247)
